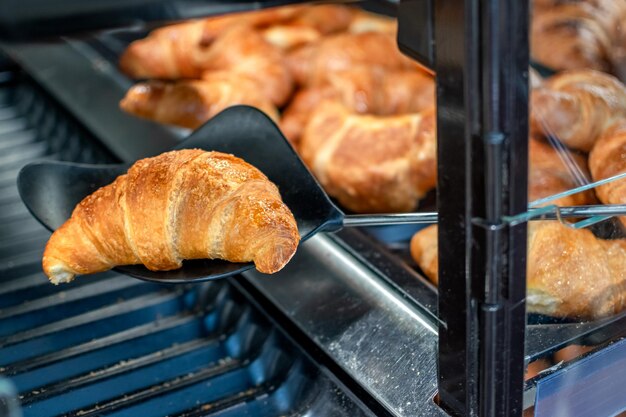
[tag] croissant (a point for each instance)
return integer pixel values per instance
(215, 26)
(180, 53)
(577, 106)
(607, 159)
(241, 50)
(168, 53)
(363, 90)
(311, 63)
(191, 103)
(179, 50)
(569, 36)
(609, 13)
(187, 204)
(570, 272)
(548, 174)
(393, 168)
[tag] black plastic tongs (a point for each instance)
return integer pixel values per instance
(51, 190)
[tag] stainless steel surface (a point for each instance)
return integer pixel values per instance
(385, 343)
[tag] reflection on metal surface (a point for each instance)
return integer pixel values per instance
(389, 347)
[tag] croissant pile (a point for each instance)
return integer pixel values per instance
(187, 204)
(305, 67)
(570, 272)
(255, 46)
(586, 111)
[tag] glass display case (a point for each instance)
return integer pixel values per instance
(513, 304)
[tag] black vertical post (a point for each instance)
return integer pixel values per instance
(481, 62)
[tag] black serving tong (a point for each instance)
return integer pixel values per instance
(51, 190)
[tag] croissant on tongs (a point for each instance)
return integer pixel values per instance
(187, 204)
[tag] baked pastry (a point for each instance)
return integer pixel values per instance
(315, 22)
(364, 91)
(178, 51)
(571, 34)
(570, 272)
(577, 106)
(240, 49)
(607, 159)
(311, 63)
(551, 172)
(186, 204)
(371, 163)
(190, 103)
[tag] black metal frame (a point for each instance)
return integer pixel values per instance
(480, 56)
(482, 72)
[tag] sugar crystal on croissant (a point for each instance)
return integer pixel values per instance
(186, 204)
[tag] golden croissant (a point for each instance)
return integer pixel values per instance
(577, 106)
(570, 272)
(190, 103)
(568, 36)
(239, 49)
(371, 163)
(364, 90)
(187, 204)
(243, 51)
(179, 50)
(310, 64)
(309, 26)
(574, 34)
